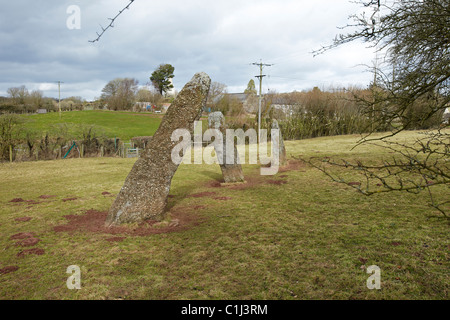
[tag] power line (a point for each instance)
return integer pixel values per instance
(111, 24)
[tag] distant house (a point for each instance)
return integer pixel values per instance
(42, 111)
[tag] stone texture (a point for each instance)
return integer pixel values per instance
(281, 147)
(232, 173)
(146, 189)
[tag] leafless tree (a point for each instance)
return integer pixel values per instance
(411, 88)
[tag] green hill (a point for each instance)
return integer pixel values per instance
(123, 125)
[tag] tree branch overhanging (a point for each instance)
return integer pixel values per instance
(111, 24)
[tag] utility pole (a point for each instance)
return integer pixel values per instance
(59, 97)
(261, 76)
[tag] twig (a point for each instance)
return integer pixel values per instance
(111, 25)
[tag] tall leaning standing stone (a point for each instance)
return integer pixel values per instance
(145, 191)
(232, 172)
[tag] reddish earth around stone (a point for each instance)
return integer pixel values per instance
(105, 193)
(35, 251)
(292, 165)
(22, 235)
(94, 221)
(284, 176)
(8, 269)
(17, 200)
(28, 242)
(69, 199)
(214, 184)
(250, 182)
(23, 219)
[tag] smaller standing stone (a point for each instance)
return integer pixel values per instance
(281, 147)
(232, 173)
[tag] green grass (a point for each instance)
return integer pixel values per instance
(123, 125)
(307, 239)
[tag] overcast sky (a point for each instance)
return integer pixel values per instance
(221, 38)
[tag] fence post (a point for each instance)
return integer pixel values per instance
(82, 151)
(101, 151)
(10, 154)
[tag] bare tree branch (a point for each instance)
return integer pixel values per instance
(416, 167)
(111, 24)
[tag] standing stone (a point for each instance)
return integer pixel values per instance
(232, 172)
(282, 149)
(146, 189)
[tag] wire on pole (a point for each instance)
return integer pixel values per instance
(261, 76)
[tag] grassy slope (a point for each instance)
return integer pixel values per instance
(124, 125)
(307, 239)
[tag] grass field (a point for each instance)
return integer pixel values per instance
(295, 235)
(123, 125)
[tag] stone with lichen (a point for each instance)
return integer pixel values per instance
(146, 189)
(280, 145)
(232, 172)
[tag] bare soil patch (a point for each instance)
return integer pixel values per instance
(69, 199)
(94, 221)
(202, 194)
(277, 182)
(8, 269)
(23, 219)
(292, 165)
(22, 235)
(17, 200)
(35, 251)
(28, 242)
(32, 202)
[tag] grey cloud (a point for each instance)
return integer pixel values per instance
(219, 37)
